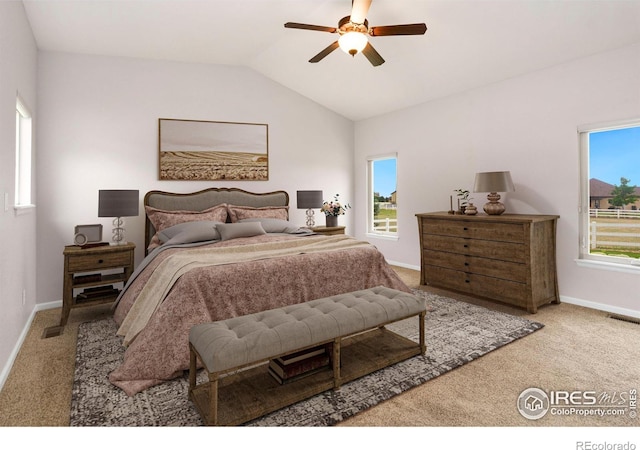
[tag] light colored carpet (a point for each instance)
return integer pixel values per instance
(578, 348)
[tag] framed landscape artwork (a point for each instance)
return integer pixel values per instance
(203, 150)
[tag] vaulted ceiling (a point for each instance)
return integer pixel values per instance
(468, 43)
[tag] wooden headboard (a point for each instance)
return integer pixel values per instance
(207, 198)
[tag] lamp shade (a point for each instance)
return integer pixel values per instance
(309, 199)
(493, 182)
(118, 203)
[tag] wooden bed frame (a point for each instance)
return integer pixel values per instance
(207, 198)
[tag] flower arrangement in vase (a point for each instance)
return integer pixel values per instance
(333, 209)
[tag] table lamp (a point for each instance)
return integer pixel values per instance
(493, 182)
(118, 204)
(310, 200)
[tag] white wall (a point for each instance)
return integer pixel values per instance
(18, 68)
(527, 125)
(99, 130)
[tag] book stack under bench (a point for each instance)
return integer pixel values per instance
(300, 364)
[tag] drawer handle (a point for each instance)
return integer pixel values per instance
(467, 281)
(465, 246)
(465, 229)
(100, 261)
(466, 264)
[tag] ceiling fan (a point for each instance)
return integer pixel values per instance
(354, 32)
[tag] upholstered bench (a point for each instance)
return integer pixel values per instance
(352, 322)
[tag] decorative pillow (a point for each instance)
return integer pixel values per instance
(278, 226)
(237, 230)
(154, 243)
(188, 232)
(164, 219)
(237, 213)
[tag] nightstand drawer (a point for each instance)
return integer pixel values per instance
(507, 232)
(79, 263)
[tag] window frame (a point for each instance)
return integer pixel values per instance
(23, 198)
(370, 203)
(585, 258)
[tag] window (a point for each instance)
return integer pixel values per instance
(382, 196)
(610, 176)
(23, 155)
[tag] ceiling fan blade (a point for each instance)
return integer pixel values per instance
(397, 30)
(304, 26)
(359, 10)
(324, 53)
(372, 55)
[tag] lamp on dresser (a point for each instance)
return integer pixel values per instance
(493, 182)
(309, 200)
(118, 203)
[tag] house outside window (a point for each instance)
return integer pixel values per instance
(23, 156)
(382, 196)
(610, 176)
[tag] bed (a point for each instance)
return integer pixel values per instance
(221, 253)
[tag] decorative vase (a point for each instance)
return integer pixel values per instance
(332, 221)
(471, 210)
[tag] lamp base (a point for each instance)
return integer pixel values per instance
(118, 231)
(310, 219)
(494, 207)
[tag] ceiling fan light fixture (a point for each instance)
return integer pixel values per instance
(353, 42)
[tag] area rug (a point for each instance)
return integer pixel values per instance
(456, 333)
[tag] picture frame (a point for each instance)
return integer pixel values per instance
(87, 234)
(205, 150)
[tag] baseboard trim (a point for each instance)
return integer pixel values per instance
(14, 353)
(601, 306)
(403, 265)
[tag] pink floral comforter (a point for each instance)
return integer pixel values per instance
(160, 351)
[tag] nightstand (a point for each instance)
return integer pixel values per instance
(90, 276)
(328, 230)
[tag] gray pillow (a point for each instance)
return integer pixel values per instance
(237, 230)
(188, 232)
(271, 225)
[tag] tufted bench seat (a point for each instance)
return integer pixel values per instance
(229, 345)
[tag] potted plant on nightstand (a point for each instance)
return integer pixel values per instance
(333, 209)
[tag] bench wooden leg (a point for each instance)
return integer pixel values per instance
(423, 345)
(337, 379)
(213, 398)
(192, 369)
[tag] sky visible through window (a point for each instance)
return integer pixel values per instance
(614, 154)
(384, 182)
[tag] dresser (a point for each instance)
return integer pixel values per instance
(510, 258)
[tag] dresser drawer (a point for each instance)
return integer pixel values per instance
(506, 251)
(473, 264)
(498, 289)
(507, 232)
(89, 262)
